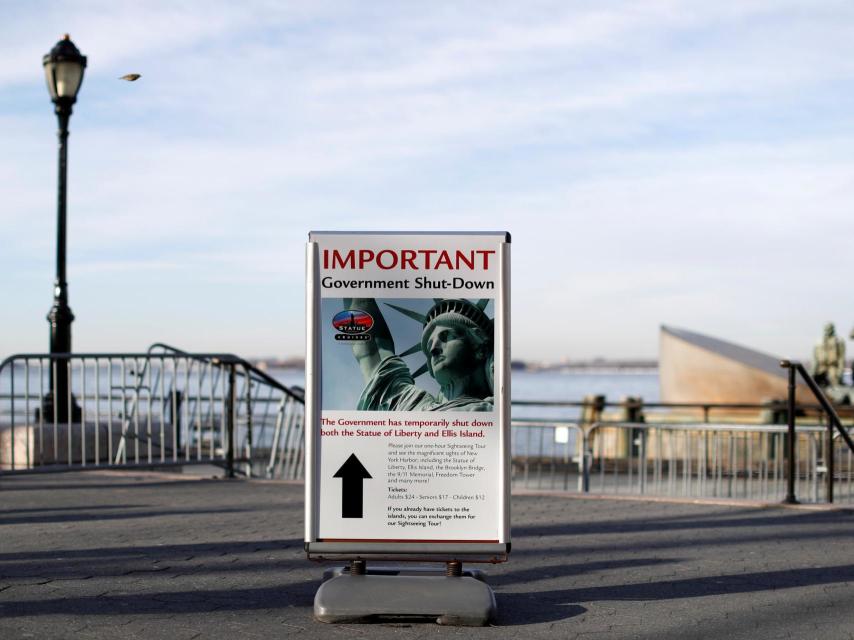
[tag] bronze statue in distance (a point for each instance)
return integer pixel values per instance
(829, 358)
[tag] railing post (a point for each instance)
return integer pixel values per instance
(175, 415)
(642, 461)
(229, 419)
(584, 480)
(12, 412)
(828, 461)
(790, 445)
(248, 451)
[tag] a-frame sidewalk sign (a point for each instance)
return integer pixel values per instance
(407, 420)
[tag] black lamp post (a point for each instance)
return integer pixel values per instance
(63, 67)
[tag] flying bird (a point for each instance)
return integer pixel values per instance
(130, 77)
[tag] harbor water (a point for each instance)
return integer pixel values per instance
(550, 386)
(545, 386)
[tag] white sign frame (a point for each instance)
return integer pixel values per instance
(497, 547)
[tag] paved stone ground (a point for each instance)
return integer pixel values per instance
(137, 555)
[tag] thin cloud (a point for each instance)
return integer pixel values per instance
(655, 161)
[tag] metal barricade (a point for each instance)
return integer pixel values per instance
(730, 461)
(165, 407)
(545, 455)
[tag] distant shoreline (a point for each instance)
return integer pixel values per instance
(599, 364)
(607, 367)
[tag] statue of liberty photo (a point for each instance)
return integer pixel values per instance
(457, 341)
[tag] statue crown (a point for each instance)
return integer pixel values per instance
(455, 312)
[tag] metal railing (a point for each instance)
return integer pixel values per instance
(167, 407)
(731, 461)
(164, 407)
(708, 412)
(834, 425)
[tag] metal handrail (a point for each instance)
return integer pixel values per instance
(705, 406)
(833, 421)
(214, 358)
(825, 404)
(693, 426)
(664, 426)
(230, 358)
(253, 375)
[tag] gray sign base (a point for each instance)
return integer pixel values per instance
(402, 570)
(463, 601)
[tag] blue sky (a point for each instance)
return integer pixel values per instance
(685, 163)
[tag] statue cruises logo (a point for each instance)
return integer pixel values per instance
(353, 325)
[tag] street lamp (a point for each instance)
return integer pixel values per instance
(63, 67)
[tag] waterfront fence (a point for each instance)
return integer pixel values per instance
(167, 407)
(703, 460)
(164, 407)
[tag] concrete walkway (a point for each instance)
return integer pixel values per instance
(141, 555)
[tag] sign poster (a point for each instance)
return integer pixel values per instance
(407, 383)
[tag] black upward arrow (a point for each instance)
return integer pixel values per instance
(352, 472)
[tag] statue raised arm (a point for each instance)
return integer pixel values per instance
(381, 345)
(457, 341)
